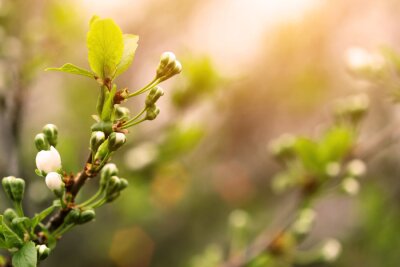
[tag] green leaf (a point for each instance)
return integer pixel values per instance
(105, 47)
(336, 144)
(130, 45)
(71, 68)
(11, 238)
(26, 256)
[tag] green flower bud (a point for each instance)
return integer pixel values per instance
(102, 152)
(86, 216)
(102, 126)
(113, 196)
(123, 183)
(122, 113)
(96, 140)
(10, 214)
(14, 188)
(107, 172)
(41, 142)
(152, 112)
(113, 185)
(154, 94)
(51, 133)
(72, 217)
(42, 252)
(116, 140)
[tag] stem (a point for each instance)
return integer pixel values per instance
(153, 83)
(62, 229)
(136, 117)
(18, 208)
(93, 198)
(133, 124)
(99, 203)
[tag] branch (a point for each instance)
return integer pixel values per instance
(72, 191)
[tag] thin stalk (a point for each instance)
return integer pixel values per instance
(61, 230)
(136, 117)
(18, 208)
(133, 124)
(99, 203)
(92, 199)
(153, 83)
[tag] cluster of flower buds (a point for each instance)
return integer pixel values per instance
(48, 160)
(110, 183)
(282, 148)
(76, 216)
(352, 109)
(168, 66)
(14, 188)
(363, 63)
(354, 170)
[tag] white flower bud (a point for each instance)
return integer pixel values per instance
(48, 160)
(116, 140)
(54, 181)
(96, 140)
(168, 66)
(331, 250)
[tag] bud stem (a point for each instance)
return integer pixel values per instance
(132, 124)
(153, 83)
(18, 208)
(136, 117)
(92, 199)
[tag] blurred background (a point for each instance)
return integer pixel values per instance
(252, 71)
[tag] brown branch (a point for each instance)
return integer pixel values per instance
(72, 191)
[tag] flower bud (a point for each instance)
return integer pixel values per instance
(154, 94)
(51, 133)
(330, 250)
(108, 170)
(122, 113)
(113, 185)
(101, 152)
(356, 168)
(166, 59)
(42, 251)
(10, 214)
(54, 181)
(113, 196)
(14, 188)
(116, 140)
(123, 183)
(72, 217)
(350, 186)
(303, 224)
(86, 216)
(168, 66)
(96, 140)
(41, 142)
(152, 112)
(48, 160)
(102, 126)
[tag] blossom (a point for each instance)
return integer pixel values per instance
(54, 181)
(48, 160)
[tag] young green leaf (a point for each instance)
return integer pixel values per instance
(71, 68)
(130, 45)
(11, 238)
(105, 47)
(26, 256)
